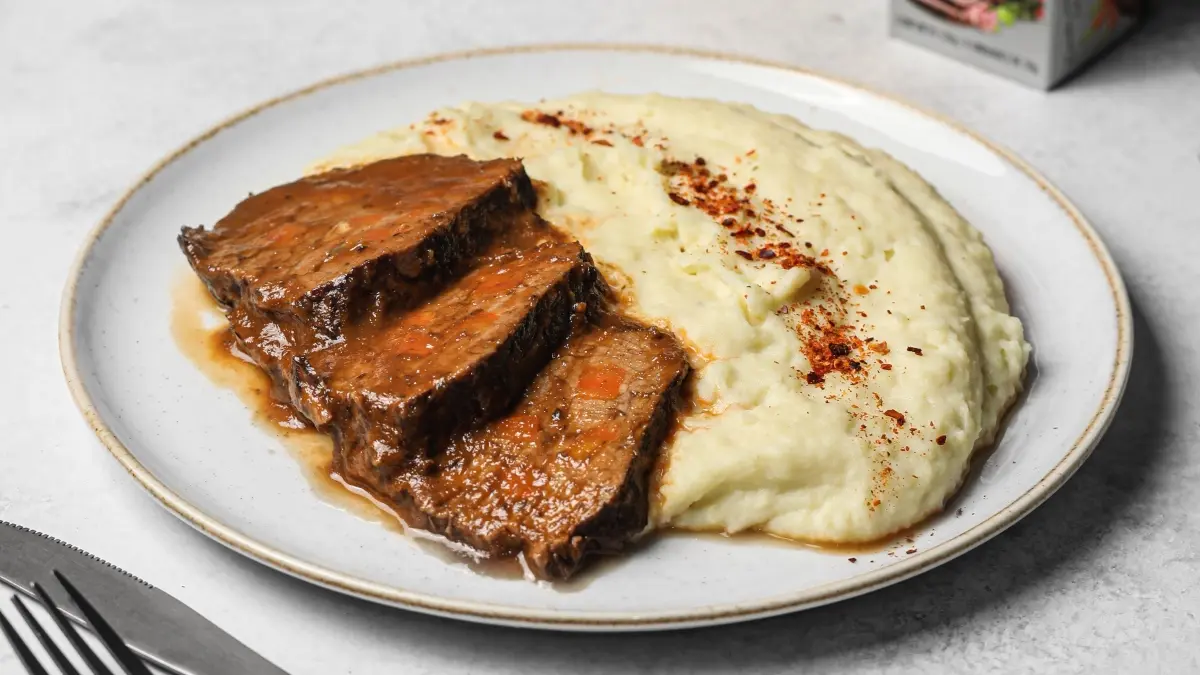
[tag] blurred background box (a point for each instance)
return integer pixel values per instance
(1035, 42)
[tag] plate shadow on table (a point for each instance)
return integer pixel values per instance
(1036, 556)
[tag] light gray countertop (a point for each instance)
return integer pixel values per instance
(1102, 578)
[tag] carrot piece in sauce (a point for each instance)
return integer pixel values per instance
(288, 232)
(415, 343)
(499, 282)
(478, 321)
(601, 381)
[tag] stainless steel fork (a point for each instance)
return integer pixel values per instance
(130, 663)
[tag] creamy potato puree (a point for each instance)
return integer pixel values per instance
(850, 334)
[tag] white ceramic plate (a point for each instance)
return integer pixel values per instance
(195, 448)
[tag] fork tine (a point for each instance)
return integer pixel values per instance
(43, 637)
(31, 665)
(129, 661)
(65, 626)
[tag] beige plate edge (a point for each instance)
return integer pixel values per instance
(1006, 517)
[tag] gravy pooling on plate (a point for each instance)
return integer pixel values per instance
(462, 354)
(850, 334)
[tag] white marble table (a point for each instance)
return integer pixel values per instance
(1100, 579)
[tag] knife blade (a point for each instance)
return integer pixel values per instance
(161, 629)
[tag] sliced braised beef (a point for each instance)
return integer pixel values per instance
(275, 344)
(562, 477)
(410, 308)
(314, 253)
(407, 383)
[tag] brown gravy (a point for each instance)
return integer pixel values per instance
(203, 336)
(201, 333)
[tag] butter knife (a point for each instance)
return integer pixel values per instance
(161, 629)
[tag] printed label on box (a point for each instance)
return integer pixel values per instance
(1038, 42)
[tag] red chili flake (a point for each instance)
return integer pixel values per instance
(922, 306)
(828, 344)
(499, 135)
(872, 286)
(783, 244)
(751, 153)
(637, 140)
(678, 199)
(896, 415)
(539, 117)
(714, 198)
(576, 127)
(601, 141)
(885, 366)
(815, 378)
(700, 161)
(745, 254)
(941, 440)
(910, 551)
(824, 252)
(751, 188)
(853, 560)
(916, 350)
(729, 205)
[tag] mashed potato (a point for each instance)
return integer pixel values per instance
(850, 334)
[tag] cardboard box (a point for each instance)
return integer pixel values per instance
(1036, 42)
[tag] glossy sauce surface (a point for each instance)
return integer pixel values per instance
(203, 336)
(284, 243)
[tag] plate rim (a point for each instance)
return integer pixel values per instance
(1004, 518)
